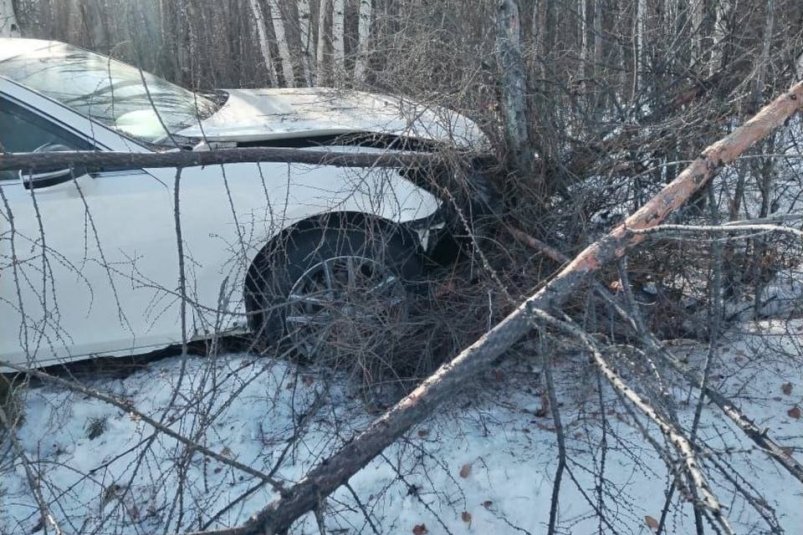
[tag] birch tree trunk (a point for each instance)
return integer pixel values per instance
(8, 20)
(304, 26)
(638, 53)
(697, 19)
(539, 27)
(764, 58)
(599, 45)
(168, 25)
(277, 16)
(264, 43)
(598, 42)
(322, 70)
(583, 39)
(363, 39)
(514, 86)
(339, 39)
(536, 65)
(187, 42)
(718, 36)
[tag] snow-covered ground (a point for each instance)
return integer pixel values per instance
(485, 463)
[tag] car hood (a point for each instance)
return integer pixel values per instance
(269, 114)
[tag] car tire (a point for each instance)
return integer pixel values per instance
(335, 292)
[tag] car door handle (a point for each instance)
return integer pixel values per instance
(49, 178)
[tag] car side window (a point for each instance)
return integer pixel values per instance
(24, 131)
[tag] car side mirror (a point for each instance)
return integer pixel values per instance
(46, 179)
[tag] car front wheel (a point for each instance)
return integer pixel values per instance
(337, 295)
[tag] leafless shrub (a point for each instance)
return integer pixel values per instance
(618, 100)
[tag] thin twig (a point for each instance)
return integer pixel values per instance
(546, 357)
(33, 479)
(126, 406)
(757, 435)
(674, 435)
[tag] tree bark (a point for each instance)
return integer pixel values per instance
(339, 40)
(322, 70)
(583, 40)
(131, 160)
(264, 43)
(538, 30)
(764, 58)
(333, 472)
(598, 96)
(187, 42)
(278, 18)
(8, 19)
(363, 39)
(169, 45)
(305, 35)
(698, 29)
(638, 52)
(514, 87)
(718, 36)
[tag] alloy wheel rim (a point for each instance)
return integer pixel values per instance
(345, 307)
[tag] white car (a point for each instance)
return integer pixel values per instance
(90, 262)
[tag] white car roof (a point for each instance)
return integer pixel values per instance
(14, 46)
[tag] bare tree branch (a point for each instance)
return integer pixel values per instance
(278, 516)
(126, 160)
(162, 428)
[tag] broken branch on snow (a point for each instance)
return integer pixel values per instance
(333, 472)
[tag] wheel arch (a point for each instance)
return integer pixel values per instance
(342, 220)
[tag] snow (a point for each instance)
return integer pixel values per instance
(484, 463)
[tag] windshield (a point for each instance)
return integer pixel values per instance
(108, 91)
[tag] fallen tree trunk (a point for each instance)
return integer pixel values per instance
(331, 473)
(761, 438)
(32, 161)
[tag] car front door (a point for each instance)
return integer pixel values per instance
(87, 259)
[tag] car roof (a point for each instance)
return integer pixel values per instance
(14, 46)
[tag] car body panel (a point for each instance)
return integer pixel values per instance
(116, 277)
(268, 114)
(91, 266)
